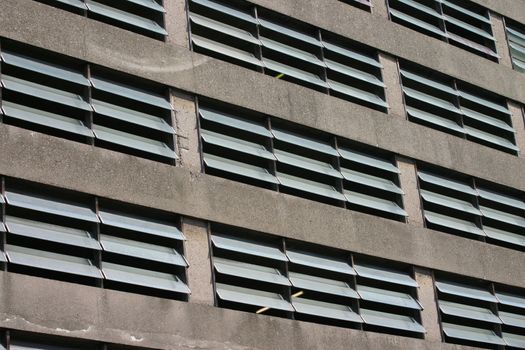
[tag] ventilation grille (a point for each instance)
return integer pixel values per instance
(275, 157)
(460, 206)
(294, 53)
(476, 316)
(86, 105)
(447, 105)
(144, 17)
(280, 278)
(459, 23)
(516, 41)
(86, 240)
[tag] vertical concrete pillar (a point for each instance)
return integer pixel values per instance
(197, 251)
(498, 30)
(409, 185)
(394, 92)
(186, 125)
(176, 20)
(427, 298)
(380, 8)
(519, 125)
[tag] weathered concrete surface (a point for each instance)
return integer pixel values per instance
(44, 306)
(518, 122)
(502, 47)
(393, 89)
(427, 298)
(177, 67)
(187, 128)
(176, 23)
(53, 161)
(197, 252)
(411, 198)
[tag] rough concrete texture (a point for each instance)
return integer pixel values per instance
(80, 167)
(176, 23)
(411, 198)
(508, 8)
(197, 252)
(186, 124)
(427, 298)
(394, 91)
(44, 306)
(516, 111)
(121, 50)
(402, 42)
(380, 8)
(500, 36)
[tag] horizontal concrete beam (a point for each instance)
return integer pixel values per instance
(59, 31)
(80, 167)
(402, 42)
(514, 9)
(44, 306)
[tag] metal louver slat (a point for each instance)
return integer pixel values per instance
(480, 117)
(45, 92)
(291, 51)
(50, 205)
(472, 29)
(370, 180)
(465, 291)
(485, 136)
(50, 232)
(417, 22)
(289, 32)
(303, 141)
(472, 334)
(388, 297)
(306, 163)
(429, 99)
(501, 198)
(239, 168)
(131, 116)
(224, 28)
(51, 261)
(357, 93)
(502, 216)
(227, 10)
(449, 202)
(323, 309)
(383, 319)
(352, 54)
(245, 246)
(374, 203)
(324, 285)
(130, 92)
(144, 278)
(453, 223)
(294, 72)
(468, 311)
(76, 3)
(250, 271)
(226, 50)
(236, 144)
(505, 236)
(365, 159)
(446, 183)
(125, 17)
(354, 73)
(471, 44)
(149, 4)
(139, 224)
(465, 11)
(45, 68)
(384, 274)
(512, 319)
(252, 297)
(421, 7)
(484, 102)
(136, 249)
(45, 119)
(434, 119)
(234, 122)
(428, 82)
(511, 299)
(514, 340)
(133, 141)
(319, 262)
(309, 186)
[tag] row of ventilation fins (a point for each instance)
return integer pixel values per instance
(46, 234)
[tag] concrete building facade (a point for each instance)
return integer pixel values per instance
(262, 174)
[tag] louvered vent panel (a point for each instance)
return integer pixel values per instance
(516, 42)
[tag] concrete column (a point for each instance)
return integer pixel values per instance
(186, 125)
(394, 92)
(516, 111)
(379, 8)
(427, 298)
(411, 198)
(176, 20)
(197, 251)
(502, 47)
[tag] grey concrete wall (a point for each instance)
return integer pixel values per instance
(516, 111)
(51, 307)
(80, 167)
(393, 89)
(176, 23)
(427, 298)
(45, 27)
(411, 198)
(500, 36)
(187, 129)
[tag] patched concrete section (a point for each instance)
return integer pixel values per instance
(411, 198)
(502, 48)
(427, 297)
(56, 308)
(198, 254)
(518, 123)
(394, 91)
(380, 8)
(176, 21)
(187, 128)
(53, 161)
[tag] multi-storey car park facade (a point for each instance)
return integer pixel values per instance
(263, 174)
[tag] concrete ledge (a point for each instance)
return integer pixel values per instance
(45, 306)
(57, 162)
(43, 26)
(402, 42)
